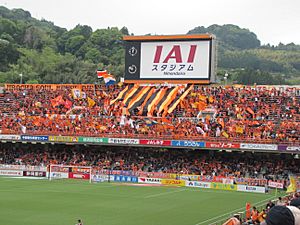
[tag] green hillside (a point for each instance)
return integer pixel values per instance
(45, 53)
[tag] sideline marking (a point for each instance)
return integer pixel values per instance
(164, 193)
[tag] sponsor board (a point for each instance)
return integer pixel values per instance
(195, 144)
(221, 186)
(189, 177)
(9, 137)
(289, 148)
(147, 180)
(254, 146)
(222, 145)
(255, 189)
(125, 141)
(34, 138)
(83, 176)
(92, 139)
(120, 178)
(58, 175)
(11, 173)
(273, 184)
(197, 184)
(34, 174)
(155, 142)
(173, 182)
(102, 178)
(63, 139)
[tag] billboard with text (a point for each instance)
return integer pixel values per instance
(159, 59)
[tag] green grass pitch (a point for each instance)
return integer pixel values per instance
(62, 202)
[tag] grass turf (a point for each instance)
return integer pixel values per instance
(62, 202)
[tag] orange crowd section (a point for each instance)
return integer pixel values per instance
(262, 114)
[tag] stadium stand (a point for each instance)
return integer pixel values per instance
(239, 113)
(254, 169)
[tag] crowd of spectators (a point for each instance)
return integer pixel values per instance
(198, 162)
(255, 114)
(284, 210)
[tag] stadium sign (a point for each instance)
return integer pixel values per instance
(173, 182)
(254, 189)
(125, 141)
(92, 140)
(197, 184)
(220, 186)
(288, 148)
(159, 59)
(34, 138)
(146, 180)
(9, 137)
(273, 184)
(222, 145)
(18, 173)
(155, 142)
(130, 179)
(63, 139)
(253, 146)
(188, 144)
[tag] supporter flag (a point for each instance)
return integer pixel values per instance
(68, 104)
(101, 73)
(76, 93)
(91, 102)
(225, 134)
(239, 130)
(57, 101)
(23, 129)
(292, 187)
(109, 79)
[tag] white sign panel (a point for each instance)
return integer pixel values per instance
(197, 184)
(254, 189)
(258, 146)
(175, 60)
(9, 137)
(126, 141)
(273, 184)
(11, 173)
(146, 180)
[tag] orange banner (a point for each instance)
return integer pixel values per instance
(173, 182)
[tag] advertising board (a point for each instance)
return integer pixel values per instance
(169, 58)
(155, 142)
(130, 179)
(197, 184)
(17, 173)
(274, 184)
(63, 139)
(125, 141)
(221, 186)
(268, 147)
(193, 144)
(254, 189)
(146, 180)
(10, 137)
(173, 182)
(92, 140)
(34, 138)
(218, 145)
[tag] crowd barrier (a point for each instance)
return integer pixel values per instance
(151, 142)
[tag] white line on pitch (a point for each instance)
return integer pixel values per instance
(164, 193)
